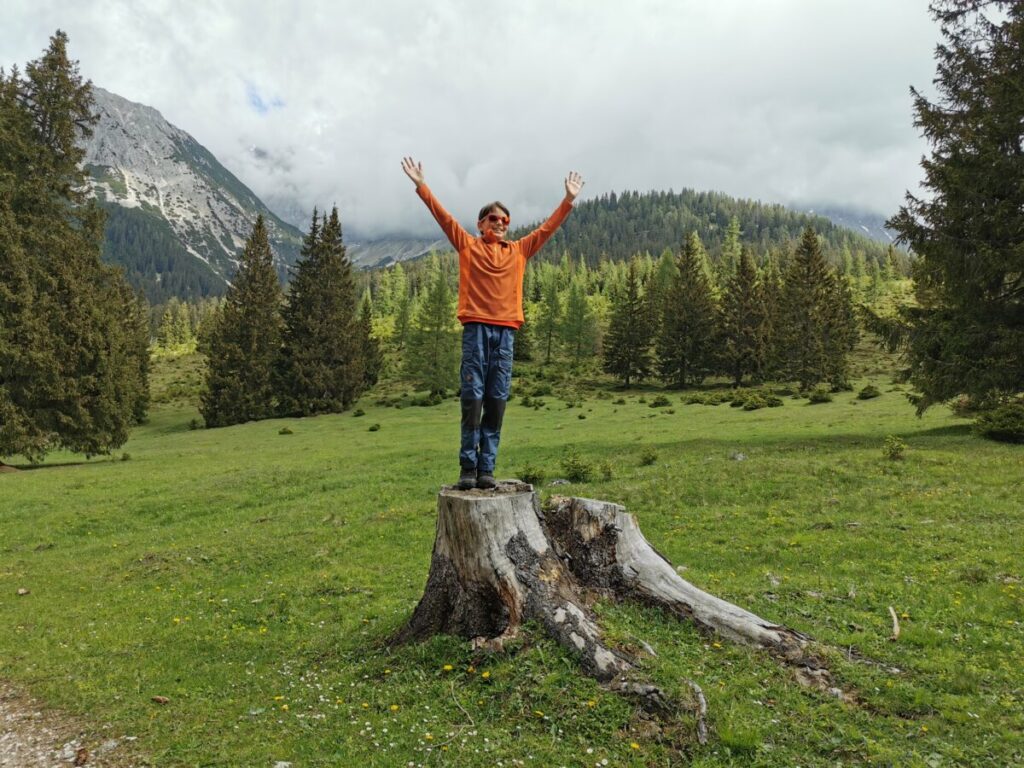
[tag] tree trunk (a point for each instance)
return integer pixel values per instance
(499, 560)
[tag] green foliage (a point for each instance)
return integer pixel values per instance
(816, 328)
(685, 344)
(1004, 423)
(322, 367)
(73, 336)
(627, 348)
(532, 474)
(744, 331)
(244, 341)
(648, 456)
(578, 329)
(869, 392)
(965, 332)
(819, 395)
(433, 357)
(894, 448)
(576, 468)
(659, 402)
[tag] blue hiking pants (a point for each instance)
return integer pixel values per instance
(486, 376)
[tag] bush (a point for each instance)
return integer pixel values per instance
(648, 457)
(660, 402)
(526, 402)
(195, 424)
(582, 416)
(374, 428)
(434, 398)
(358, 412)
(894, 448)
(126, 457)
(541, 390)
(819, 395)
(285, 431)
(869, 392)
(754, 402)
(1004, 423)
(532, 474)
(577, 469)
(606, 469)
(620, 401)
(773, 401)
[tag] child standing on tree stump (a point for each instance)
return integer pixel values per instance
(491, 311)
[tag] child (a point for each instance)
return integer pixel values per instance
(491, 310)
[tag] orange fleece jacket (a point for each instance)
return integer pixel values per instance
(491, 273)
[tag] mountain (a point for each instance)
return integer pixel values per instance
(867, 223)
(177, 217)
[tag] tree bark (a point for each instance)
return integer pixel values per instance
(500, 560)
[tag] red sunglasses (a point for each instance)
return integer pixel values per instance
(494, 218)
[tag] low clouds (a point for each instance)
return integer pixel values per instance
(785, 100)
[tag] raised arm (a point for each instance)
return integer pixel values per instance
(457, 236)
(534, 241)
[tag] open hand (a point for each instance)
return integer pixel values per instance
(414, 170)
(573, 185)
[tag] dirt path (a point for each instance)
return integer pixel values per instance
(34, 737)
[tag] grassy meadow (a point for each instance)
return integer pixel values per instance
(252, 576)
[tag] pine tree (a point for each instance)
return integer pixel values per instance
(244, 342)
(321, 367)
(743, 335)
(432, 360)
(816, 325)
(69, 367)
(966, 334)
(627, 348)
(685, 344)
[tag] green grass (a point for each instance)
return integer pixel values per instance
(253, 578)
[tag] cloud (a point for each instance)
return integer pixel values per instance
(782, 100)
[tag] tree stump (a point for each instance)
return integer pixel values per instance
(500, 560)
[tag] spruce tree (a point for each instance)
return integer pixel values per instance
(743, 338)
(627, 347)
(432, 360)
(321, 367)
(816, 329)
(966, 333)
(69, 367)
(685, 344)
(244, 341)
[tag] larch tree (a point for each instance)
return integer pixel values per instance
(432, 359)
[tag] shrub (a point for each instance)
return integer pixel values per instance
(648, 457)
(542, 389)
(894, 448)
(754, 402)
(773, 401)
(620, 401)
(374, 428)
(660, 402)
(963, 407)
(577, 469)
(358, 412)
(434, 398)
(819, 395)
(526, 402)
(1004, 423)
(195, 424)
(532, 474)
(582, 416)
(869, 392)
(606, 469)
(126, 457)
(285, 431)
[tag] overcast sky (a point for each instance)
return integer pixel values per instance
(790, 101)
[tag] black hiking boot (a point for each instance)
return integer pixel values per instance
(467, 479)
(485, 480)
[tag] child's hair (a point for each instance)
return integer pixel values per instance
(490, 207)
